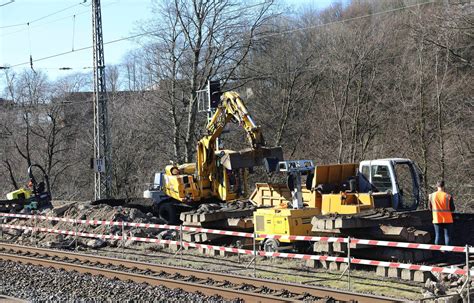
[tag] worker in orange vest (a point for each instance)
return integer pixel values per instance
(442, 207)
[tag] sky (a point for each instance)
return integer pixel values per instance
(60, 26)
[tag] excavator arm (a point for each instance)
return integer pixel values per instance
(218, 174)
(233, 108)
(215, 166)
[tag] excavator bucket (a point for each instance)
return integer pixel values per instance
(250, 157)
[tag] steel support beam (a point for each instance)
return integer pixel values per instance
(102, 142)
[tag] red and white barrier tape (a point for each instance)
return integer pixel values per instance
(460, 249)
(446, 270)
(412, 245)
(137, 239)
(62, 232)
(218, 232)
(130, 224)
(220, 248)
(303, 238)
(437, 269)
(91, 222)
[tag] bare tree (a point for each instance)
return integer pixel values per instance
(204, 39)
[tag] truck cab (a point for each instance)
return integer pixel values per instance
(397, 176)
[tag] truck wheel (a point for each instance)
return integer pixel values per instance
(168, 212)
(271, 245)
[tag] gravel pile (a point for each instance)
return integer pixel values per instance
(38, 284)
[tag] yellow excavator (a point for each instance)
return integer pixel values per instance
(218, 174)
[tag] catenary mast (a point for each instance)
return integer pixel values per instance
(102, 142)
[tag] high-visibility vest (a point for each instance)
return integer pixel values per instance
(440, 207)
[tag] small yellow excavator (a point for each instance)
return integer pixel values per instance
(218, 174)
(36, 196)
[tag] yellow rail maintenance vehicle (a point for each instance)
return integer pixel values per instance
(332, 190)
(289, 214)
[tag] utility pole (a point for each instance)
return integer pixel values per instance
(102, 144)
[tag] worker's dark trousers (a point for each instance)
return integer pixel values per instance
(446, 229)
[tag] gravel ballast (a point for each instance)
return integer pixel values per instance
(39, 284)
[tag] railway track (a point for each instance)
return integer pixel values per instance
(209, 283)
(11, 299)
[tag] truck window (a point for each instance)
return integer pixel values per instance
(405, 184)
(366, 172)
(381, 178)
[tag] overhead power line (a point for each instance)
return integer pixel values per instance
(42, 18)
(9, 2)
(88, 12)
(256, 38)
(80, 49)
(54, 20)
(46, 23)
(348, 19)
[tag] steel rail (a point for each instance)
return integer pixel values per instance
(295, 288)
(9, 299)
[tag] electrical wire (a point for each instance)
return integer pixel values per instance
(55, 20)
(61, 68)
(310, 68)
(44, 17)
(347, 20)
(9, 2)
(112, 41)
(87, 12)
(255, 38)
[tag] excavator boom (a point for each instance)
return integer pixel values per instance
(233, 108)
(219, 167)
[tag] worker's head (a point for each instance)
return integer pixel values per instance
(440, 185)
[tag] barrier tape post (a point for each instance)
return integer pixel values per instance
(35, 228)
(1, 228)
(178, 250)
(75, 235)
(468, 278)
(255, 255)
(349, 262)
(347, 269)
(238, 244)
(180, 245)
(124, 239)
